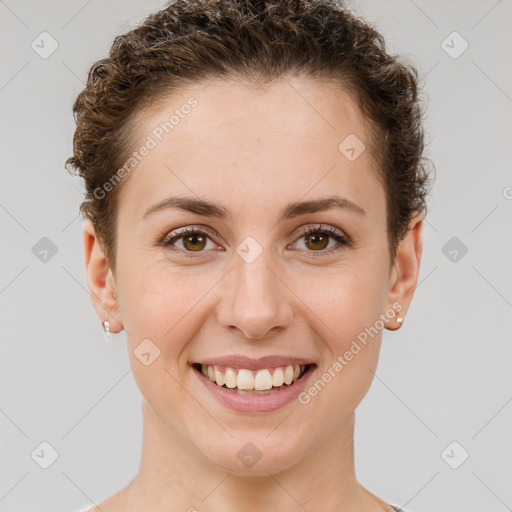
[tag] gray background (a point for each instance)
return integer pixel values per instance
(443, 377)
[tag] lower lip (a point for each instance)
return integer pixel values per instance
(256, 403)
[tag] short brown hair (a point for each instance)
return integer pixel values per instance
(254, 41)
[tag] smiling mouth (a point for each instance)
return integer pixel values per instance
(254, 382)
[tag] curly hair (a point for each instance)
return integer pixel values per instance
(253, 41)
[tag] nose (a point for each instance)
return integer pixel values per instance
(256, 299)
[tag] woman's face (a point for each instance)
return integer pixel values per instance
(252, 283)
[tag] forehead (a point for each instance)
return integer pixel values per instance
(288, 137)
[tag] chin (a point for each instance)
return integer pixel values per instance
(255, 455)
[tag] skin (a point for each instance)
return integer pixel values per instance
(253, 152)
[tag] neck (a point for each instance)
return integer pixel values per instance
(174, 476)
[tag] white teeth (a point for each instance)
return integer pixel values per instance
(288, 374)
(278, 377)
(230, 378)
(262, 380)
(244, 380)
(219, 376)
(257, 393)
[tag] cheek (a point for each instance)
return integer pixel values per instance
(169, 309)
(157, 300)
(350, 345)
(345, 308)
(161, 310)
(346, 300)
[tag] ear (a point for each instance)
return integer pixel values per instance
(100, 280)
(404, 276)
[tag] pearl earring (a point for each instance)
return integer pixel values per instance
(399, 319)
(106, 327)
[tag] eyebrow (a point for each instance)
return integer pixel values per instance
(208, 209)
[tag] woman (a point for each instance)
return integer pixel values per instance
(255, 195)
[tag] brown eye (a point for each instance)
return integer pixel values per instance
(317, 241)
(194, 242)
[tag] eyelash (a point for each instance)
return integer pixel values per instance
(323, 229)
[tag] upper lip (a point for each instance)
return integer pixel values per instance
(239, 361)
